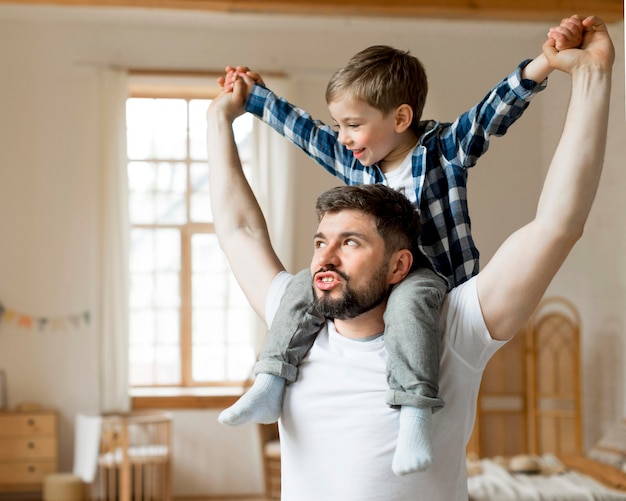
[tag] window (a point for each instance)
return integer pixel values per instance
(190, 324)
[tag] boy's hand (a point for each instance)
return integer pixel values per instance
(569, 34)
(596, 50)
(230, 104)
(231, 74)
(226, 82)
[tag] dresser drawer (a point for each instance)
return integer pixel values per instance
(27, 424)
(28, 448)
(32, 472)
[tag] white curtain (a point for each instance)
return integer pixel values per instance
(114, 236)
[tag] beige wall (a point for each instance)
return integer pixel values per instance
(49, 59)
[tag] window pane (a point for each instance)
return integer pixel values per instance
(141, 177)
(200, 201)
(168, 327)
(167, 364)
(170, 208)
(139, 122)
(140, 114)
(142, 251)
(242, 128)
(154, 249)
(170, 193)
(239, 362)
(167, 290)
(141, 368)
(154, 306)
(221, 316)
(166, 249)
(142, 285)
(209, 273)
(156, 128)
(197, 128)
(142, 326)
(209, 363)
(170, 136)
(157, 192)
(141, 184)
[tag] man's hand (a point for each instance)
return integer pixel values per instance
(230, 104)
(596, 49)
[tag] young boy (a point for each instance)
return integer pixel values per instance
(376, 101)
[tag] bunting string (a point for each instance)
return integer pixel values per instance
(43, 323)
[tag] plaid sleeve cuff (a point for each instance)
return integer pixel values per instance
(255, 103)
(524, 87)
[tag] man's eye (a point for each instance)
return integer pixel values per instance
(318, 244)
(351, 242)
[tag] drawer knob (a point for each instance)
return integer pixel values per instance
(31, 445)
(31, 422)
(32, 469)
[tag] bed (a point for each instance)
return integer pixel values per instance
(533, 386)
(491, 479)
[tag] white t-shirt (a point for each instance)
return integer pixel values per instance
(401, 178)
(337, 433)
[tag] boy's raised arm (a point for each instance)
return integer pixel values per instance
(567, 35)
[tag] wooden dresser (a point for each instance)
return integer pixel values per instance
(28, 449)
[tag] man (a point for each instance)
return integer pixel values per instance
(337, 440)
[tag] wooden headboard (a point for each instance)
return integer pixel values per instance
(529, 400)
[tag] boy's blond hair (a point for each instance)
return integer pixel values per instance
(384, 78)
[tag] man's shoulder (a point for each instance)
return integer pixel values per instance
(464, 327)
(461, 309)
(275, 294)
(462, 294)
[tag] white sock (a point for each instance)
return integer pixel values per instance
(262, 403)
(414, 450)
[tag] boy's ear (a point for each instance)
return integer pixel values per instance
(404, 117)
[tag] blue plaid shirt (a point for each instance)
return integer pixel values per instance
(439, 163)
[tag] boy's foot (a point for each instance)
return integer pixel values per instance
(262, 403)
(414, 450)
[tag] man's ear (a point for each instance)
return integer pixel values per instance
(400, 266)
(404, 117)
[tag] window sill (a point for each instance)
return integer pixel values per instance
(215, 397)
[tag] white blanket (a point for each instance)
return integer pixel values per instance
(495, 483)
(86, 446)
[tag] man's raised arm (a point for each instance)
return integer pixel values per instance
(513, 282)
(239, 223)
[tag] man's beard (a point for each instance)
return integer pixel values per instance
(354, 302)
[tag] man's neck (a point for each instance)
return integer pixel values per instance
(365, 325)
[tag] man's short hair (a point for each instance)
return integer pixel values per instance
(384, 78)
(395, 217)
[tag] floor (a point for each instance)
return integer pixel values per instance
(223, 499)
(31, 497)
(21, 497)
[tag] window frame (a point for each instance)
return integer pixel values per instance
(189, 394)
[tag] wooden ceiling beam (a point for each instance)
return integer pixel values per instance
(522, 10)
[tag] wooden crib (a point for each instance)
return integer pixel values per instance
(135, 459)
